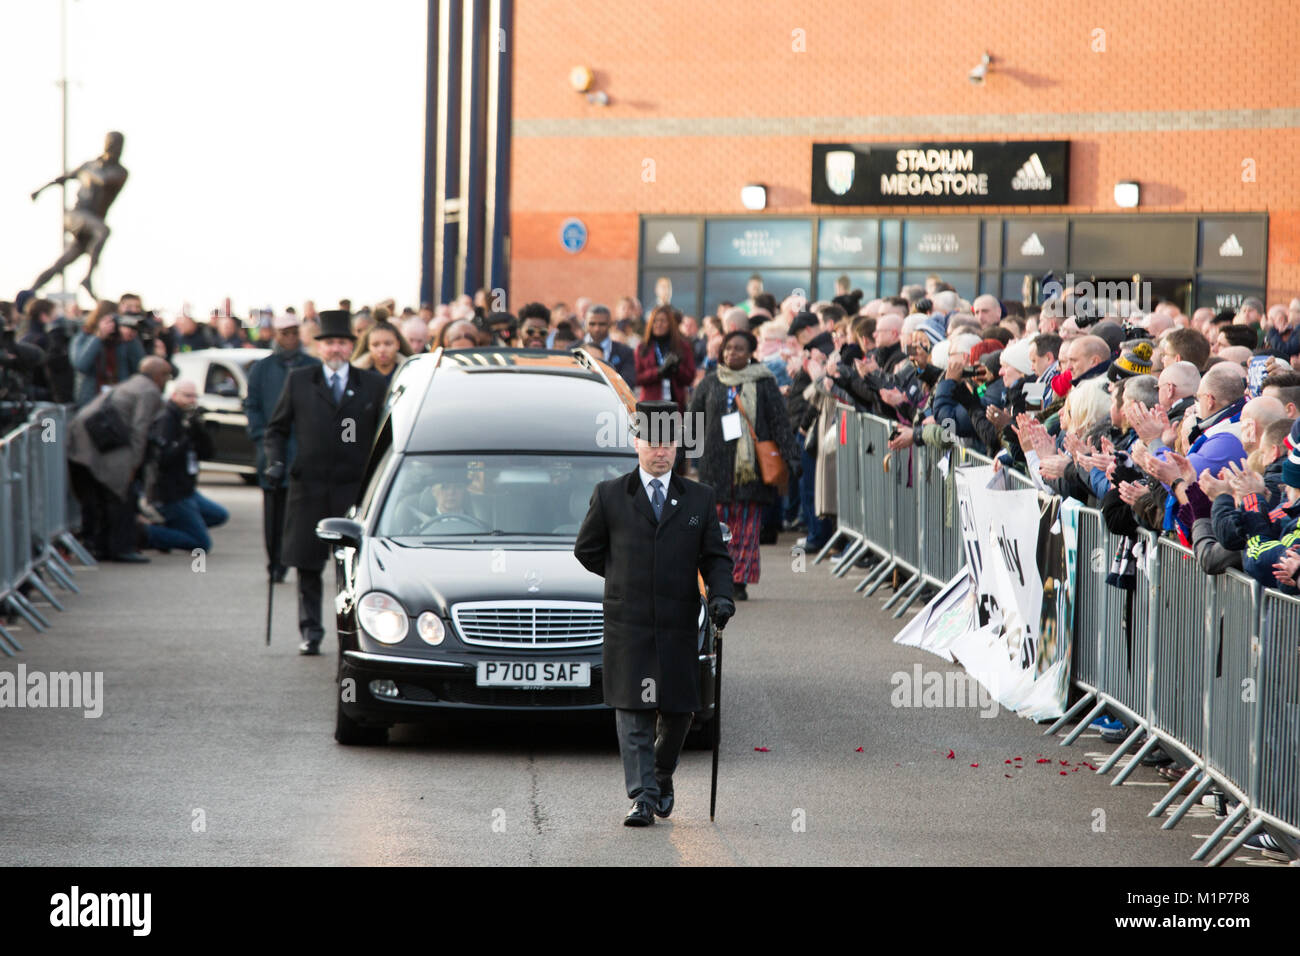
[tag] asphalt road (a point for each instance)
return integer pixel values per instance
(213, 749)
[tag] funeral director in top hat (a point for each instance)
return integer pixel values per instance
(647, 533)
(333, 409)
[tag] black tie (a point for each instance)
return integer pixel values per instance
(657, 499)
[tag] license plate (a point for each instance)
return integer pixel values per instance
(534, 674)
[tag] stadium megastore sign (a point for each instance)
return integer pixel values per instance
(941, 174)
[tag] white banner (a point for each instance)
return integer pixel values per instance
(1005, 624)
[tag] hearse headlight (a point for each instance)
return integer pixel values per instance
(383, 617)
(431, 628)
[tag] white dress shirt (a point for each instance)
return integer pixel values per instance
(329, 377)
(663, 479)
(606, 346)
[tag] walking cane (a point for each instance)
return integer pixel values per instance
(717, 718)
(276, 529)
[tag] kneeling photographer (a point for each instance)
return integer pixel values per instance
(178, 441)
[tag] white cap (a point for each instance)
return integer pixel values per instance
(1017, 356)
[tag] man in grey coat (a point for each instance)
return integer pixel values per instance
(103, 480)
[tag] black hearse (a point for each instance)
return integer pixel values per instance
(457, 588)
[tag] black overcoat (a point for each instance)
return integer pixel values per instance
(652, 598)
(333, 447)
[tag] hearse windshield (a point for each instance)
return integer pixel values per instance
(447, 495)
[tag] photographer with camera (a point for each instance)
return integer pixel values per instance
(131, 315)
(18, 362)
(104, 353)
(178, 441)
(52, 380)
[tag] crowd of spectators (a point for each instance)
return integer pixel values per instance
(1183, 425)
(1169, 422)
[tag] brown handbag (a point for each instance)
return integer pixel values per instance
(771, 465)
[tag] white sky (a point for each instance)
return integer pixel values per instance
(275, 148)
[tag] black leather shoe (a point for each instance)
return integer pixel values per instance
(640, 815)
(309, 648)
(278, 574)
(131, 557)
(665, 799)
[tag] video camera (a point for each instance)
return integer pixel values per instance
(145, 325)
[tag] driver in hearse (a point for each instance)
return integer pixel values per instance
(451, 495)
(445, 492)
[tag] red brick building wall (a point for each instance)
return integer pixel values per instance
(719, 93)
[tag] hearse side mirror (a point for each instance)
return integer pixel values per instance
(342, 531)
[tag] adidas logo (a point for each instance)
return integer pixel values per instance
(1231, 247)
(1032, 175)
(667, 245)
(1033, 246)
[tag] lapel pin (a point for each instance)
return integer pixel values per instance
(674, 501)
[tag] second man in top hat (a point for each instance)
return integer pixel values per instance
(333, 409)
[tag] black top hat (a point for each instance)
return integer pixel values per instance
(335, 323)
(659, 422)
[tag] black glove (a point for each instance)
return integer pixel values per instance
(721, 609)
(671, 360)
(274, 472)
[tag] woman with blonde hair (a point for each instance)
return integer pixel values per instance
(1087, 409)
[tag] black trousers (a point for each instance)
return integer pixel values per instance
(650, 742)
(107, 522)
(309, 603)
(273, 504)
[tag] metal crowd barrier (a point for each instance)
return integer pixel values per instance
(1207, 667)
(34, 506)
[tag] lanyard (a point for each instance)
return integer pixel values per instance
(731, 398)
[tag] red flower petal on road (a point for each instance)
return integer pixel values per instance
(1007, 775)
(859, 750)
(1064, 774)
(951, 755)
(1065, 763)
(761, 750)
(974, 765)
(1042, 760)
(1006, 761)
